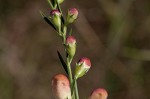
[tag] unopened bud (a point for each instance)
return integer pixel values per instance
(82, 67)
(55, 17)
(61, 87)
(72, 15)
(55, 12)
(71, 46)
(60, 1)
(99, 93)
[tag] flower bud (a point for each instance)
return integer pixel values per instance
(71, 46)
(55, 17)
(61, 87)
(99, 93)
(72, 15)
(53, 3)
(82, 67)
(60, 1)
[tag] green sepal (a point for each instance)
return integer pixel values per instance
(59, 9)
(70, 19)
(71, 50)
(62, 62)
(56, 20)
(83, 73)
(80, 71)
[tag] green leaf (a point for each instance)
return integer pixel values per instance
(47, 19)
(62, 62)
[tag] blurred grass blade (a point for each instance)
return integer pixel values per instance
(62, 62)
(47, 19)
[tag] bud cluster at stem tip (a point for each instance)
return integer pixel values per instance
(62, 87)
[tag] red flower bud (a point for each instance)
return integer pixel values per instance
(70, 40)
(55, 17)
(55, 12)
(85, 60)
(73, 11)
(99, 93)
(82, 67)
(72, 15)
(61, 87)
(71, 46)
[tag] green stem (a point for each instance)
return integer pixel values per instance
(69, 70)
(76, 89)
(70, 76)
(68, 60)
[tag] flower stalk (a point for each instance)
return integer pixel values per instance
(60, 24)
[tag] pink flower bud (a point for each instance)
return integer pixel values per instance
(72, 15)
(99, 93)
(61, 87)
(73, 11)
(82, 67)
(70, 40)
(71, 46)
(86, 61)
(55, 12)
(55, 17)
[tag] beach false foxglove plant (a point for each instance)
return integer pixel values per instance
(65, 87)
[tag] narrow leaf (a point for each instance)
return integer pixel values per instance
(47, 19)
(51, 3)
(62, 62)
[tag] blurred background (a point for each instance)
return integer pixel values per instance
(114, 34)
